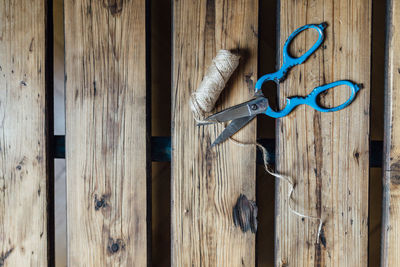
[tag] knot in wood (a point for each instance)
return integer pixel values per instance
(115, 246)
(245, 214)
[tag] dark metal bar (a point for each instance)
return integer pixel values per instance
(161, 150)
(59, 152)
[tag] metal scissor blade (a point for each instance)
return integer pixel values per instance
(232, 128)
(249, 108)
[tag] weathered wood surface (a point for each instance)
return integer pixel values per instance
(106, 132)
(24, 117)
(207, 182)
(325, 153)
(391, 163)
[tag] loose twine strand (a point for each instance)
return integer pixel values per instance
(218, 73)
(287, 179)
(203, 101)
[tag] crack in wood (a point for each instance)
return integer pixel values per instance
(4, 256)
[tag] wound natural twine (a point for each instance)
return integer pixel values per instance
(218, 73)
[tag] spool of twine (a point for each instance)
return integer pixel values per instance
(204, 98)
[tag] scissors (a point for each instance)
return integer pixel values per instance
(242, 114)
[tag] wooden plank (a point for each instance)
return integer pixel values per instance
(24, 120)
(207, 182)
(391, 162)
(106, 132)
(325, 153)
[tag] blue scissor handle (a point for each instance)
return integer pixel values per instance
(288, 61)
(311, 100)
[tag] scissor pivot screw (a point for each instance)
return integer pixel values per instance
(254, 107)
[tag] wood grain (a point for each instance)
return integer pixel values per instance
(391, 164)
(106, 132)
(24, 116)
(207, 182)
(325, 153)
